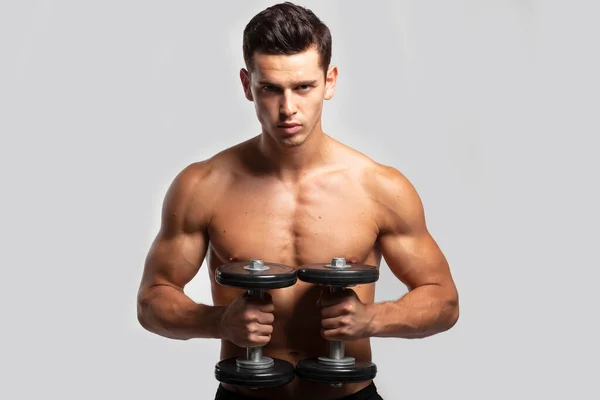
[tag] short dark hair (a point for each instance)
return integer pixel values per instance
(286, 28)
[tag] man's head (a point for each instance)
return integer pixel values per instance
(287, 51)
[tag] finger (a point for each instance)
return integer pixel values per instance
(264, 318)
(255, 315)
(266, 307)
(259, 340)
(334, 323)
(260, 329)
(335, 334)
(337, 310)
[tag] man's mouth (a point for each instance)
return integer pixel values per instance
(290, 125)
(290, 128)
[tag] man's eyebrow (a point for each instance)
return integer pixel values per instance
(300, 83)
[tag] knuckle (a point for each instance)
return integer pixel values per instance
(266, 308)
(261, 339)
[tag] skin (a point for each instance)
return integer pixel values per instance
(294, 199)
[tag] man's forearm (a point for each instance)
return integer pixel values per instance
(422, 312)
(168, 312)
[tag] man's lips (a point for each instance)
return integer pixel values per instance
(290, 128)
(288, 125)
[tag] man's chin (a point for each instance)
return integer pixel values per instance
(288, 140)
(291, 141)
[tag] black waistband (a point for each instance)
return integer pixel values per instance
(366, 393)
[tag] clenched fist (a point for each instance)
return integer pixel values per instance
(247, 321)
(344, 317)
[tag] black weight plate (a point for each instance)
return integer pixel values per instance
(281, 373)
(275, 277)
(359, 372)
(355, 274)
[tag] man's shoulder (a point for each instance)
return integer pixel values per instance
(385, 184)
(376, 175)
(206, 178)
(199, 174)
(388, 178)
(213, 170)
(399, 204)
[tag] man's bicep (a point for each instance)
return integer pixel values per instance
(180, 246)
(174, 259)
(404, 240)
(415, 259)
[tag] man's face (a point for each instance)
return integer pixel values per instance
(288, 93)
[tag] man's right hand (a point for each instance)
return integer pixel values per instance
(247, 321)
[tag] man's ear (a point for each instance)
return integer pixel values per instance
(245, 78)
(330, 81)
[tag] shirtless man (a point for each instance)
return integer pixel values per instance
(293, 195)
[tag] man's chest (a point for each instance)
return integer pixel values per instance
(293, 227)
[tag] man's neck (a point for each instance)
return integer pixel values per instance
(292, 163)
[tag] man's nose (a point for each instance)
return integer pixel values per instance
(287, 106)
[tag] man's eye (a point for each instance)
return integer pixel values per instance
(269, 88)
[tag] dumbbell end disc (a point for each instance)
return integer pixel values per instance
(281, 373)
(316, 371)
(354, 274)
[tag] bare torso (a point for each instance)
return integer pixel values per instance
(328, 213)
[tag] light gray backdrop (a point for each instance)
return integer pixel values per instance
(489, 107)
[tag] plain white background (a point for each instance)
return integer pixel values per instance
(489, 107)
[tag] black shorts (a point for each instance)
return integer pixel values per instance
(368, 393)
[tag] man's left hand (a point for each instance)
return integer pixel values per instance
(344, 317)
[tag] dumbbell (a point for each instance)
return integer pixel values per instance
(255, 370)
(337, 368)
